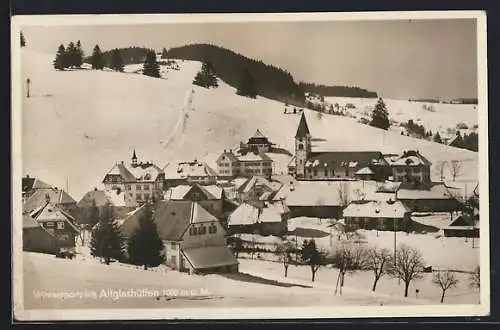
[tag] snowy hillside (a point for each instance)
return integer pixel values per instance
(77, 124)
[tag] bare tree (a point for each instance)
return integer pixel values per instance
(284, 251)
(377, 260)
(455, 168)
(440, 167)
(445, 280)
(475, 279)
(348, 257)
(408, 265)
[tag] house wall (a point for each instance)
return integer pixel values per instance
(38, 240)
(64, 234)
(259, 167)
(448, 232)
(277, 228)
(141, 191)
(173, 256)
(414, 173)
(382, 224)
(206, 239)
(431, 205)
(321, 172)
(225, 166)
(316, 211)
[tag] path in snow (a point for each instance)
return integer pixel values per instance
(183, 116)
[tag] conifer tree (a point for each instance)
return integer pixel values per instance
(93, 215)
(60, 60)
(164, 53)
(71, 53)
(116, 61)
(97, 59)
(437, 138)
(145, 246)
(380, 116)
(23, 40)
(206, 77)
(107, 242)
(79, 54)
(247, 86)
(151, 67)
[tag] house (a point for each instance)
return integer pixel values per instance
(113, 197)
(209, 197)
(244, 163)
(194, 240)
(36, 238)
(258, 143)
(381, 215)
(53, 221)
(270, 219)
(256, 190)
(30, 185)
(332, 165)
(141, 181)
(189, 173)
(40, 196)
(427, 197)
(463, 226)
(322, 199)
(411, 166)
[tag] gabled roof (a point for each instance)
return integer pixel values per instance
(302, 129)
(376, 209)
(247, 214)
(335, 159)
(27, 184)
(434, 190)
(39, 184)
(173, 218)
(253, 181)
(180, 192)
(39, 198)
(209, 257)
(29, 222)
(102, 197)
(185, 170)
(50, 212)
(258, 134)
(409, 158)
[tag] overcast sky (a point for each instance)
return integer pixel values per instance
(398, 59)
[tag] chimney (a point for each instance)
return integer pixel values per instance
(230, 151)
(122, 161)
(224, 150)
(27, 176)
(95, 188)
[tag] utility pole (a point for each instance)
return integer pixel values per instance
(28, 82)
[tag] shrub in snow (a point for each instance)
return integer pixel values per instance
(380, 115)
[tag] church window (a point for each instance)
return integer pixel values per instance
(301, 146)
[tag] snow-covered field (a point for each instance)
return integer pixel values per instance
(77, 124)
(90, 284)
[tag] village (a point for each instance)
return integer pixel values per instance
(355, 211)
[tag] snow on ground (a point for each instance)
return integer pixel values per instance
(95, 285)
(361, 282)
(88, 120)
(444, 115)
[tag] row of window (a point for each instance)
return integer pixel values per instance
(51, 224)
(137, 187)
(193, 231)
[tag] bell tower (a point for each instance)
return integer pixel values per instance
(302, 147)
(134, 159)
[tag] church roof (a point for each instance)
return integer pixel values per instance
(303, 129)
(258, 134)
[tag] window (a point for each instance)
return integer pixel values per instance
(202, 230)
(129, 187)
(60, 225)
(195, 231)
(146, 187)
(301, 146)
(138, 197)
(49, 224)
(212, 229)
(173, 246)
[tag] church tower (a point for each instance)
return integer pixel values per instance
(302, 147)
(134, 159)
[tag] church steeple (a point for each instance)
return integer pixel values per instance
(303, 129)
(134, 158)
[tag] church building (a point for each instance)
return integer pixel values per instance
(333, 165)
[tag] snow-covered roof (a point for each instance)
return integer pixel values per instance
(245, 214)
(272, 212)
(252, 157)
(376, 209)
(140, 172)
(184, 170)
(322, 193)
(430, 191)
(180, 192)
(365, 170)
